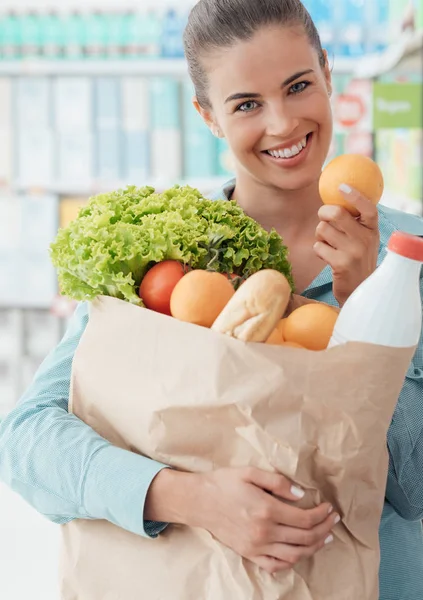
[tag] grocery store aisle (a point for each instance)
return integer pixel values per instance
(28, 551)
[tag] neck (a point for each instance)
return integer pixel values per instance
(290, 212)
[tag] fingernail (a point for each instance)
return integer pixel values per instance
(330, 510)
(337, 519)
(345, 188)
(297, 492)
(329, 540)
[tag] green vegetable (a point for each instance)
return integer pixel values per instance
(118, 236)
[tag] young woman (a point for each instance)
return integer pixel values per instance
(263, 82)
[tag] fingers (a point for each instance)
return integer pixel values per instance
(345, 221)
(306, 537)
(330, 234)
(271, 565)
(284, 514)
(273, 482)
(292, 554)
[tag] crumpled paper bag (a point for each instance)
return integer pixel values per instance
(196, 400)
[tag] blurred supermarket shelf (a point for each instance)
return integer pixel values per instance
(408, 46)
(147, 67)
(73, 188)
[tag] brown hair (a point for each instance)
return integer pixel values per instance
(215, 24)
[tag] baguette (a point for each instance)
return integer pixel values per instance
(256, 307)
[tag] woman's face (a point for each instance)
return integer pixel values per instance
(270, 99)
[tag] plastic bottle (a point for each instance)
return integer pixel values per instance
(386, 309)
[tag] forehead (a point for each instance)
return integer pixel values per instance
(265, 61)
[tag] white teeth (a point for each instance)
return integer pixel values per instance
(289, 152)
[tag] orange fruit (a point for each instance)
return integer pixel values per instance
(311, 326)
(292, 345)
(276, 337)
(200, 296)
(355, 170)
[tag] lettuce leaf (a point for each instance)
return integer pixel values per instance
(117, 237)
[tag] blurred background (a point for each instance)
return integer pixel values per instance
(95, 96)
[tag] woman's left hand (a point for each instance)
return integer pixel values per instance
(350, 245)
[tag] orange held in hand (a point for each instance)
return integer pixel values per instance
(358, 172)
(311, 326)
(200, 296)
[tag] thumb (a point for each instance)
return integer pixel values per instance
(274, 483)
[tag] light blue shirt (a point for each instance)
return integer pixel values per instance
(67, 471)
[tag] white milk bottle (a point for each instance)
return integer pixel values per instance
(386, 309)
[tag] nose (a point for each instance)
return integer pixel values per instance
(281, 122)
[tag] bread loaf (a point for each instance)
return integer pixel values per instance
(254, 310)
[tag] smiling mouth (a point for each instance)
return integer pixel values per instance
(290, 152)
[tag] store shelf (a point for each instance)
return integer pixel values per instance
(148, 67)
(71, 188)
(408, 44)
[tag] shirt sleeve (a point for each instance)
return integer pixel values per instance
(61, 466)
(405, 443)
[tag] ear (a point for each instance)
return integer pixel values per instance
(327, 73)
(207, 117)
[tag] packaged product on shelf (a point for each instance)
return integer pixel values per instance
(52, 35)
(10, 36)
(73, 35)
(198, 142)
(323, 12)
(75, 164)
(173, 24)
(136, 135)
(96, 35)
(165, 130)
(144, 34)
(349, 26)
(377, 25)
(115, 31)
(6, 132)
(73, 99)
(108, 130)
(30, 32)
(33, 131)
(33, 103)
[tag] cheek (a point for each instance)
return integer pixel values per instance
(243, 135)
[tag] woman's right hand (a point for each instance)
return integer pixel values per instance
(244, 509)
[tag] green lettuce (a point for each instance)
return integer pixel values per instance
(118, 236)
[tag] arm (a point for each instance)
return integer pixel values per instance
(66, 471)
(59, 465)
(405, 443)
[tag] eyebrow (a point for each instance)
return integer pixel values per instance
(244, 95)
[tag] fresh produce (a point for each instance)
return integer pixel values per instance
(158, 284)
(118, 237)
(255, 309)
(355, 170)
(200, 296)
(311, 325)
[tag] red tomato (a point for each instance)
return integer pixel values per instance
(158, 283)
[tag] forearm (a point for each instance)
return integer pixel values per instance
(172, 497)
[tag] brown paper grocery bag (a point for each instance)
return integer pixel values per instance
(197, 400)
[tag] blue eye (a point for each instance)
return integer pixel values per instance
(299, 87)
(247, 106)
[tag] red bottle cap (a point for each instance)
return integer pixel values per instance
(407, 245)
